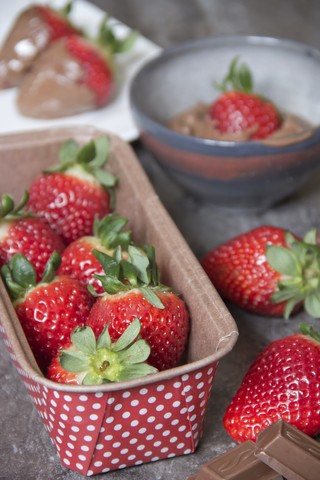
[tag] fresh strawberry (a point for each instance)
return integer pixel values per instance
(48, 310)
(87, 361)
(35, 28)
(23, 232)
(78, 260)
(239, 109)
(282, 383)
(267, 271)
(74, 75)
(69, 196)
(132, 289)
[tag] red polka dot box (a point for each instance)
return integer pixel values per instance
(101, 428)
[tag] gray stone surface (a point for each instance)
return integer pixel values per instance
(26, 452)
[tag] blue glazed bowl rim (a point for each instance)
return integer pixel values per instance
(186, 142)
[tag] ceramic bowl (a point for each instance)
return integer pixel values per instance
(247, 175)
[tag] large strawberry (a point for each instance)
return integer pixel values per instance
(79, 262)
(282, 383)
(268, 271)
(87, 361)
(48, 310)
(133, 289)
(238, 109)
(35, 28)
(70, 195)
(74, 74)
(23, 232)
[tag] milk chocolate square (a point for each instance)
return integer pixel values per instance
(289, 451)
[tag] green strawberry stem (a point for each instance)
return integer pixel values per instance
(140, 272)
(9, 211)
(238, 78)
(299, 265)
(19, 274)
(108, 40)
(110, 231)
(102, 361)
(309, 331)
(91, 157)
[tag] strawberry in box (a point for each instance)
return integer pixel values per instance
(133, 289)
(48, 309)
(71, 194)
(87, 361)
(23, 232)
(79, 262)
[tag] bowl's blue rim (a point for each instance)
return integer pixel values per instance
(244, 148)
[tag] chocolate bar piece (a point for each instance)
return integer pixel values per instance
(239, 463)
(289, 451)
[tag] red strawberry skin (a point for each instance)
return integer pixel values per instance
(241, 274)
(282, 383)
(31, 237)
(58, 374)
(68, 204)
(166, 330)
(58, 25)
(235, 112)
(49, 313)
(79, 262)
(98, 75)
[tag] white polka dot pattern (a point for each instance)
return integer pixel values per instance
(99, 432)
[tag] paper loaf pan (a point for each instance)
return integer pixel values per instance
(101, 428)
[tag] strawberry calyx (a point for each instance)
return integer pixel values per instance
(91, 158)
(310, 332)
(108, 41)
(100, 361)
(9, 211)
(19, 275)
(110, 231)
(139, 271)
(238, 79)
(299, 266)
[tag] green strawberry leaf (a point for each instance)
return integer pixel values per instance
(141, 264)
(128, 337)
(282, 260)
(51, 268)
(68, 152)
(312, 304)
(84, 340)
(311, 237)
(73, 361)
(87, 153)
(104, 340)
(151, 297)
(23, 272)
(104, 177)
(138, 352)
(102, 150)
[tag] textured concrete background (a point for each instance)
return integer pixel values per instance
(26, 452)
